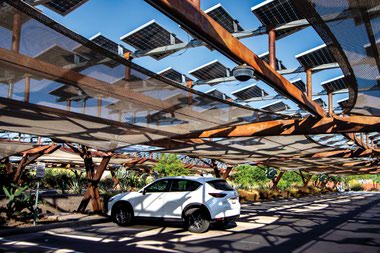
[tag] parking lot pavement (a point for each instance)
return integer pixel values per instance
(348, 222)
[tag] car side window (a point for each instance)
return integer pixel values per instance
(184, 185)
(159, 186)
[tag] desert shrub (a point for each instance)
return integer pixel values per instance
(357, 187)
(245, 195)
(250, 177)
(169, 165)
(290, 178)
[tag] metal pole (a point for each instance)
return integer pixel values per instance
(16, 32)
(309, 83)
(272, 47)
(330, 103)
(27, 89)
(36, 204)
(10, 90)
(99, 113)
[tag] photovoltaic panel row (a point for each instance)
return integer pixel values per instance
(108, 44)
(265, 57)
(209, 71)
(174, 75)
(277, 12)
(151, 36)
(252, 91)
(342, 103)
(64, 7)
(68, 92)
(299, 84)
(217, 93)
(320, 102)
(221, 15)
(276, 107)
(335, 84)
(316, 57)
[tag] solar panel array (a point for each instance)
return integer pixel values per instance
(151, 36)
(335, 84)
(60, 56)
(342, 103)
(265, 57)
(299, 84)
(277, 12)
(68, 92)
(108, 44)
(249, 92)
(276, 107)
(64, 7)
(316, 57)
(220, 15)
(174, 75)
(218, 94)
(209, 71)
(320, 102)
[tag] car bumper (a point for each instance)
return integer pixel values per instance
(229, 219)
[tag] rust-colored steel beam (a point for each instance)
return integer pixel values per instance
(330, 103)
(27, 88)
(309, 83)
(208, 30)
(308, 125)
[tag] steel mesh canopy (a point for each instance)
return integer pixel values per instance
(315, 57)
(277, 106)
(209, 71)
(334, 84)
(64, 7)
(149, 36)
(252, 91)
(221, 15)
(119, 109)
(174, 75)
(277, 12)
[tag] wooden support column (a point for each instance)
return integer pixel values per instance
(227, 172)
(29, 157)
(309, 85)
(277, 180)
(96, 204)
(27, 88)
(16, 32)
(272, 46)
(215, 168)
(68, 105)
(330, 103)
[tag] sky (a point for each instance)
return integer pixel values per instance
(116, 18)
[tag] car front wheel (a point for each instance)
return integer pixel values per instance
(197, 221)
(122, 215)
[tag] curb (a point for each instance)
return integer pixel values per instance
(65, 224)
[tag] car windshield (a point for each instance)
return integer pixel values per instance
(220, 185)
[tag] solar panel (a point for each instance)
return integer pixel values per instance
(334, 84)
(315, 57)
(320, 102)
(276, 107)
(252, 91)
(108, 44)
(150, 36)
(221, 15)
(209, 71)
(217, 93)
(342, 103)
(174, 75)
(265, 57)
(299, 84)
(60, 57)
(68, 92)
(64, 7)
(277, 12)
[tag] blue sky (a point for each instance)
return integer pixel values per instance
(118, 17)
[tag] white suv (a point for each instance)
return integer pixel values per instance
(197, 201)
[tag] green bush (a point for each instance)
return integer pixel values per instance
(169, 165)
(249, 177)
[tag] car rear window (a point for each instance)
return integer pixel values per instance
(220, 185)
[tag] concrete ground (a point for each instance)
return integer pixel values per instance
(348, 222)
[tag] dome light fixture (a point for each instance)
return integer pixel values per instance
(243, 72)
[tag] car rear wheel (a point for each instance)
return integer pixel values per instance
(197, 221)
(122, 215)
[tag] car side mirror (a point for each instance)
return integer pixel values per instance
(144, 191)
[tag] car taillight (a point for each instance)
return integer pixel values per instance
(218, 195)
